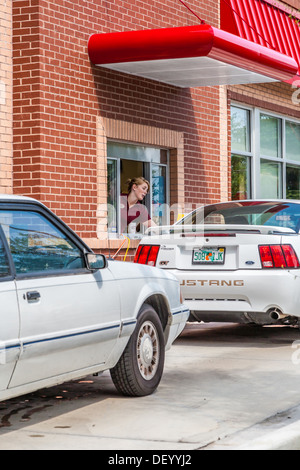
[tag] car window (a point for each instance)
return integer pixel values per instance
(4, 266)
(273, 214)
(37, 245)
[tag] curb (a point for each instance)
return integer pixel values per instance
(286, 438)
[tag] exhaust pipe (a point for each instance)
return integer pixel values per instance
(276, 315)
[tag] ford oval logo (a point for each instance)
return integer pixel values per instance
(250, 263)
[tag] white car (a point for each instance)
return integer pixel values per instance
(67, 312)
(236, 261)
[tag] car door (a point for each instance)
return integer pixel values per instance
(9, 319)
(70, 317)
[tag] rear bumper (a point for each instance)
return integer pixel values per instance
(241, 291)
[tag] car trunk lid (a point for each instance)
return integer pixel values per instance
(221, 247)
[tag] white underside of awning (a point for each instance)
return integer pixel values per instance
(190, 72)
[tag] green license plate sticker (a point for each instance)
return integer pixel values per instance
(208, 256)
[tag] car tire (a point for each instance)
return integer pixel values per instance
(140, 367)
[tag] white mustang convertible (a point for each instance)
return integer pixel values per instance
(66, 312)
(236, 261)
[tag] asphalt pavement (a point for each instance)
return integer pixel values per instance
(225, 387)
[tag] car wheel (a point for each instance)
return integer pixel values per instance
(140, 367)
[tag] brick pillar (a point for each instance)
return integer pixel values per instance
(26, 98)
(6, 97)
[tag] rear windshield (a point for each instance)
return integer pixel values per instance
(273, 214)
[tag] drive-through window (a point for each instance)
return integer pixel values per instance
(125, 162)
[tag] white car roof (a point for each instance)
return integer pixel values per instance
(14, 197)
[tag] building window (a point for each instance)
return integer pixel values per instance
(240, 180)
(265, 161)
(270, 136)
(241, 153)
(125, 162)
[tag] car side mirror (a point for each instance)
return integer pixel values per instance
(95, 262)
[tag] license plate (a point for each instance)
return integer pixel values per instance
(208, 255)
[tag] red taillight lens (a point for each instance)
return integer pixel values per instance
(152, 257)
(278, 256)
(266, 257)
(290, 256)
(147, 254)
(143, 256)
(137, 253)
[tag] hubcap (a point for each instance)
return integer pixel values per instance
(147, 350)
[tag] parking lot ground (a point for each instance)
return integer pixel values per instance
(225, 386)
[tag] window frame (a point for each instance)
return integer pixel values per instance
(11, 265)
(248, 154)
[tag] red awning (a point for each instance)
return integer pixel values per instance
(266, 23)
(190, 56)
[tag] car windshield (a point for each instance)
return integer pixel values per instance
(275, 214)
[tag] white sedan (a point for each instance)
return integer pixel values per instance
(66, 312)
(236, 261)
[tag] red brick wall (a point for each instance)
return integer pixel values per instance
(58, 95)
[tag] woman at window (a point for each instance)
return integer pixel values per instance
(134, 214)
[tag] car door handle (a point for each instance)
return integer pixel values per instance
(33, 295)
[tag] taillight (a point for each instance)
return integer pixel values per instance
(278, 256)
(290, 256)
(137, 253)
(266, 257)
(147, 254)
